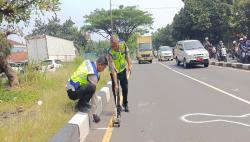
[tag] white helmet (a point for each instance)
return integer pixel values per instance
(244, 37)
(234, 42)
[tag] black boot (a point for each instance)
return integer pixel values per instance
(96, 118)
(126, 109)
(83, 108)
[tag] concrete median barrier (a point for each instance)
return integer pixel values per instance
(233, 65)
(77, 129)
(82, 121)
(106, 92)
(220, 63)
(227, 64)
(99, 105)
(246, 66)
(212, 63)
(237, 65)
(69, 133)
(103, 97)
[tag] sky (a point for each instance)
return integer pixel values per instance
(163, 11)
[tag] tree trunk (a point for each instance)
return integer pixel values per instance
(5, 67)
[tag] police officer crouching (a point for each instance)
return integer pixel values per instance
(82, 85)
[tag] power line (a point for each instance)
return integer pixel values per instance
(162, 8)
(153, 8)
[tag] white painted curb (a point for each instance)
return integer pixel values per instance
(99, 108)
(233, 65)
(82, 120)
(77, 129)
(107, 93)
(246, 66)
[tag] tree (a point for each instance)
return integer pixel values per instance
(240, 21)
(163, 36)
(13, 12)
(53, 28)
(201, 18)
(216, 19)
(126, 21)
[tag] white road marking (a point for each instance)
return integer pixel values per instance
(185, 118)
(100, 128)
(208, 85)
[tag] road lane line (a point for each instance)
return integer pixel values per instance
(100, 129)
(109, 130)
(208, 85)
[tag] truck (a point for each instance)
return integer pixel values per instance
(144, 50)
(45, 47)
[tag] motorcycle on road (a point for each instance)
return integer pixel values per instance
(222, 54)
(212, 52)
(245, 53)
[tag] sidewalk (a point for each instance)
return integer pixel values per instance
(231, 63)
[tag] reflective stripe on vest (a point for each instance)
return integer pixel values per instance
(119, 57)
(80, 76)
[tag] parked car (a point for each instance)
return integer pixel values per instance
(165, 53)
(51, 65)
(18, 67)
(191, 52)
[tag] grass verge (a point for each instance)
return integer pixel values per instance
(38, 123)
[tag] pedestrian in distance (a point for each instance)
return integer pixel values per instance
(207, 44)
(120, 67)
(82, 85)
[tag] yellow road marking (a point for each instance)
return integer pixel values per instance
(109, 131)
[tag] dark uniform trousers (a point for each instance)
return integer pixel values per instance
(122, 78)
(83, 93)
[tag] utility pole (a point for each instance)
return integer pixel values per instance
(111, 20)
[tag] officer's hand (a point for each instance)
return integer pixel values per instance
(130, 68)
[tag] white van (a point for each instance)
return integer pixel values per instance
(191, 52)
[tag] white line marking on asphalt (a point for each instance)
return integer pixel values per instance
(100, 128)
(208, 85)
(218, 118)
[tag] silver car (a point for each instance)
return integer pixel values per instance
(191, 52)
(165, 53)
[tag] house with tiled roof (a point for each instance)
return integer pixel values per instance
(18, 52)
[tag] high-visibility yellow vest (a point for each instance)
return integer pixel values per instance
(119, 57)
(80, 76)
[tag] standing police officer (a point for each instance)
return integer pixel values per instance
(119, 63)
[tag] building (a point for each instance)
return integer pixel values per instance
(48, 47)
(18, 52)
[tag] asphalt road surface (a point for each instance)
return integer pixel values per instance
(171, 104)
